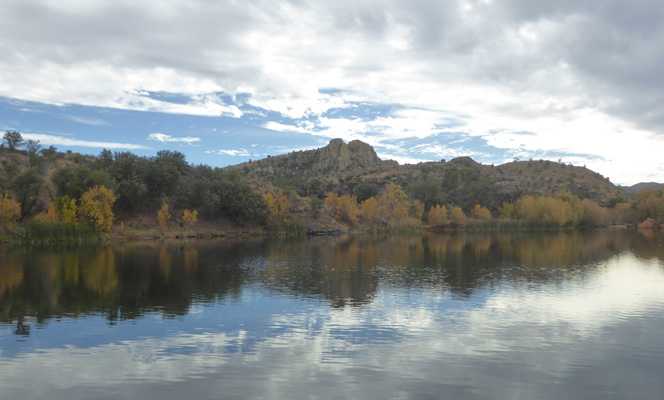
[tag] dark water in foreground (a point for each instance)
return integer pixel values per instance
(552, 316)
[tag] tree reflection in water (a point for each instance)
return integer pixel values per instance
(127, 281)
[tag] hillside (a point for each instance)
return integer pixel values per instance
(354, 168)
(235, 195)
(634, 189)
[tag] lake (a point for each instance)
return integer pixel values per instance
(570, 315)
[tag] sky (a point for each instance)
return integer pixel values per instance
(224, 82)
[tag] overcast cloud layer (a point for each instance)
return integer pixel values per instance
(419, 80)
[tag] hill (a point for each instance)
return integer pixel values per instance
(354, 168)
(634, 189)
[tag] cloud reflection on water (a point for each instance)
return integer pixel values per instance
(516, 339)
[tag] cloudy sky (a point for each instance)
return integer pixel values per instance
(228, 81)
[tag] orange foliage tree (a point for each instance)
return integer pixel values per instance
(343, 208)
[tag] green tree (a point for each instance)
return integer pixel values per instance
(13, 139)
(235, 199)
(365, 190)
(75, 179)
(26, 186)
(428, 192)
(32, 146)
(162, 174)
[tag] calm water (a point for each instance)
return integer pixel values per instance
(552, 316)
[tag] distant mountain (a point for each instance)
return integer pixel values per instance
(634, 189)
(354, 168)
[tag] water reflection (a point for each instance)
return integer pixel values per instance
(550, 316)
(127, 281)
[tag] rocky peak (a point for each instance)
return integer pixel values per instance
(362, 154)
(340, 156)
(334, 156)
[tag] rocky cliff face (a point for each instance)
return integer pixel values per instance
(336, 157)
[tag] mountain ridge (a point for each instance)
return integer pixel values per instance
(354, 168)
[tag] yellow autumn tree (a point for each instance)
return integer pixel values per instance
(97, 208)
(347, 208)
(190, 218)
(437, 215)
(163, 215)
(331, 203)
(592, 214)
(369, 214)
(47, 216)
(277, 205)
(457, 217)
(507, 211)
(395, 198)
(10, 211)
(343, 208)
(418, 209)
(67, 209)
(479, 212)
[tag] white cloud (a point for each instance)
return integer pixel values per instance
(86, 120)
(161, 137)
(279, 127)
(56, 140)
(489, 68)
(233, 153)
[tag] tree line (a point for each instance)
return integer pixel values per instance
(51, 186)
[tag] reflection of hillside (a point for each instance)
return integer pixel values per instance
(127, 281)
(121, 282)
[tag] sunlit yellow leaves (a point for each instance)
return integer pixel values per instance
(163, 216)
(96, 208)
(67, 209)
(277, 205)
(190, 218)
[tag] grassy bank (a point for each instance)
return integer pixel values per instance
(41, 232)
